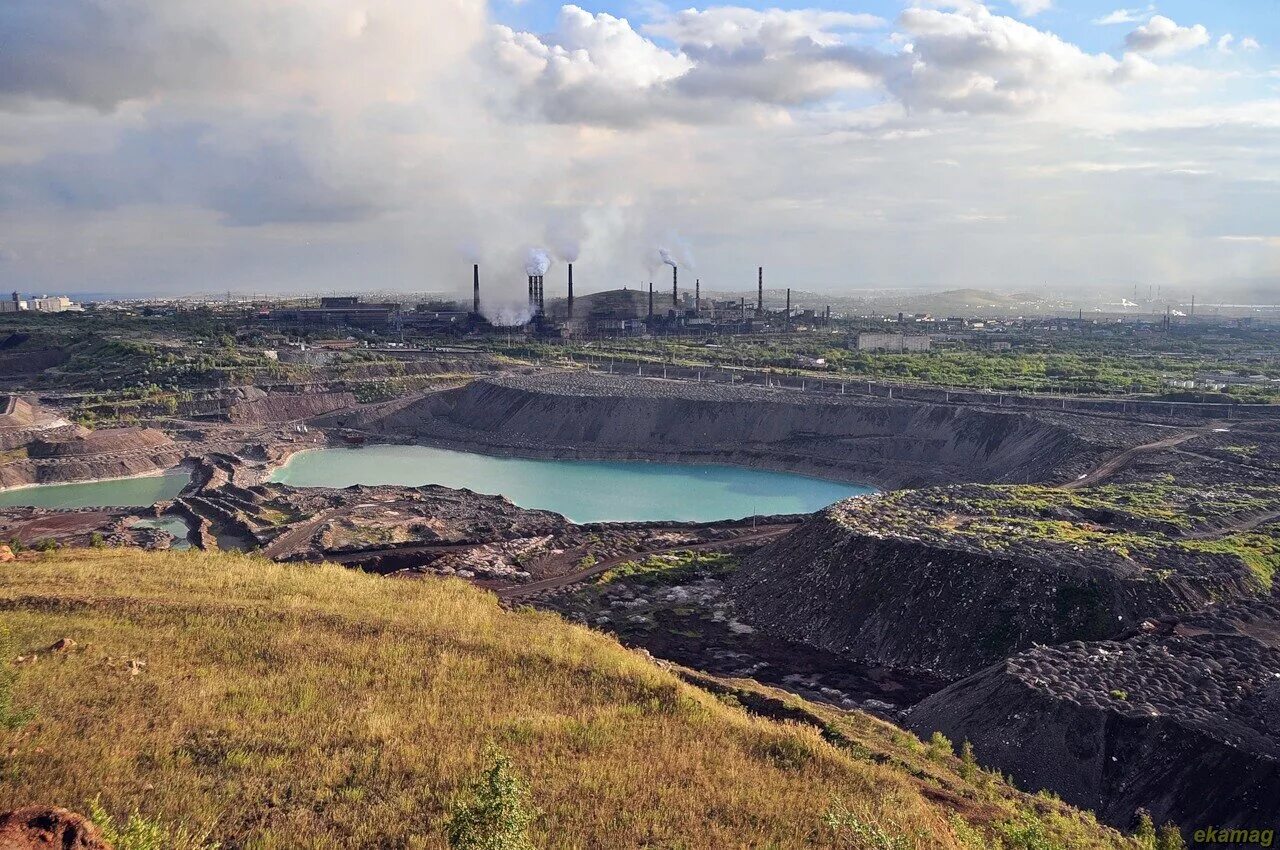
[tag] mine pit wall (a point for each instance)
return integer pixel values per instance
(288, 407)
(1103, 760)
(904, 604)
(889, 444)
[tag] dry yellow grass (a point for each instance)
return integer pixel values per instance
(285, 706)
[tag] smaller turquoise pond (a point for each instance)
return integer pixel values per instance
(583, 491)
(118, 493)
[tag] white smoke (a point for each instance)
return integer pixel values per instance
(537, 261)
(508, 315)
(565, 233)
(667, 257)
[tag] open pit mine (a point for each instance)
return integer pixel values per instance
(1085, 597)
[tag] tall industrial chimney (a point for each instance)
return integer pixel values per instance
(541, 302)
(475, 288)
(651, 301)
(570, 290)
(760, 291)
(675, 287)
(532, 301)
(788, 305)
(697, 295)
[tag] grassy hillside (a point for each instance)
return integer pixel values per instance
(283, 706)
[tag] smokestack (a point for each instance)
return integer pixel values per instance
(541, 303)
(651, 301)
(675, 287)
(788, 305)
(743, 305)
(531, 300)
(475, 288)
(571, 290)
(697, 294)
(760, 290)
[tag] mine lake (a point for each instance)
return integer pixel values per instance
(117, 493)
(583, 491)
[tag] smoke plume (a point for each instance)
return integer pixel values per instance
(667, 257)
(537, 261)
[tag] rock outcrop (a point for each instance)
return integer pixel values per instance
(82, 455)
(48, 827)
(1180, 716)
(287, 407)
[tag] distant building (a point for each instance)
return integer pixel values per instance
(50, 304)
(40, 304)
(345, 310)
(806, 362)
(891, 342)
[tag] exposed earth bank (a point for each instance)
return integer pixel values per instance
(884, 442)
(925, 580)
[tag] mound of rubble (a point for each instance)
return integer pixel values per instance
(1180, 716)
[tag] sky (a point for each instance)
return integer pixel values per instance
(280, 146)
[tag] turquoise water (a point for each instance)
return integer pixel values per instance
(583, 491)
(177, 526)
(120, 493)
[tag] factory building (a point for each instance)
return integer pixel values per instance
(349, 311)
(894, 343)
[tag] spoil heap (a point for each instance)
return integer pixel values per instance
(1180, 716)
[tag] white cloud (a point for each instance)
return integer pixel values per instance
(1031, 8)
(970, 60)
(599, 69)
(1248, 43)
(1161, 36)
(1124, 16)
(956, 57)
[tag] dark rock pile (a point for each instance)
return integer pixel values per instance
(1180, 716)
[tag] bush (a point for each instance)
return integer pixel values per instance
(96, 540)
(968, 763)
(1170, 838)
(844, 824)
(142, 833)
(495, 813)
(940, 747)
(1027, 833)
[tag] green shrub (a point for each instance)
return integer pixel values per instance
(143, 833)
(495, 813)
(845, 825)
(96, 540)
(1026, 833)
(968, 763)
(1170, 838)
(940, 747)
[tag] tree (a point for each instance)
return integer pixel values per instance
(495, 813)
